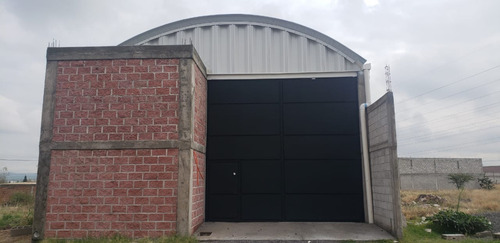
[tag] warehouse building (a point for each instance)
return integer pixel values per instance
(225, 118)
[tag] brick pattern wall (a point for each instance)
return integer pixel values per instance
(432, 173)
(200, 108)
(133, 192)
(383, 165)
(96, 193)
(116, 100)
(198, 197)
(199, 136)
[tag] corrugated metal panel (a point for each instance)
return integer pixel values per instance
(244, 48)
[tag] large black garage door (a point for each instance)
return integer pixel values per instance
(284, 150)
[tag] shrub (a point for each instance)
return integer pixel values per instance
(486, 183)
(450, 221)
(9, 220)
(459, 180)
(20, 198)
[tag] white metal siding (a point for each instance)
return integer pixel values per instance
(257, 48)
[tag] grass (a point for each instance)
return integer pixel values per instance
(13, 216)
(473, 201)
(416, 234)
(18, 211)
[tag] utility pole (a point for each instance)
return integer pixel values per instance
(388, 82)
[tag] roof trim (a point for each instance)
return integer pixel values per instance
(243, 19)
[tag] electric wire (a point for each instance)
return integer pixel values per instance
(449, 84)
(430, 138)
(465, 145)
(18, 159)
(455, 104)
(406, 108)
(453, 115)
(453, 129)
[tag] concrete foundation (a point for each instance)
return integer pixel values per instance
(290, 232)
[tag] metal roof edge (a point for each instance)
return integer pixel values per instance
(243, 18)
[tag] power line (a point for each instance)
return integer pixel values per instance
(431, 137)
(19, 159)
(449, 84)
(465, 145)
(481, 108)
(454, 94)
(445, 131)
(445, 119)
(448, 62)
(463, 102)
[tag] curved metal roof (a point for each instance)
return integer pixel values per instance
(239, 43)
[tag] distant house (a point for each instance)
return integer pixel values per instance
(492, 172)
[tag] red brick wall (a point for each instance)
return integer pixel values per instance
(200, 129)
(96, 193)
(116, 100)
(6, 190)
(200, 108)
(198, 199)
(132, 192)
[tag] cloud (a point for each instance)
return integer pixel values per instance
(11, 120)
(428, 44)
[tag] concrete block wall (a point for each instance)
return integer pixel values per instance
(432, 173)
(117, 144)
(383, 164)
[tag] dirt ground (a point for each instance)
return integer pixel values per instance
(6, 238)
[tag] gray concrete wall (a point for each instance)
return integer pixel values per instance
(384, 165)
(432, 173)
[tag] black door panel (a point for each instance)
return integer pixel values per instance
(243, 91)
(261, 207)
(320, 90)
(223, 178)
(261, 176)
(244, 147)
(322, 176)
(223, 207)
(284, 150)
(320, 118)
(322, 147)
(244, 119)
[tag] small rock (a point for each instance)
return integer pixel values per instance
(428, 230)
(453, 236)
(496, 235)
(430, 199)
(483, 234)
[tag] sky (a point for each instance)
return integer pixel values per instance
(444, 58)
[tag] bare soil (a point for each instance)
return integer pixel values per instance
(6, 238)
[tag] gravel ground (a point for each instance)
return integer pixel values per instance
(494, 218)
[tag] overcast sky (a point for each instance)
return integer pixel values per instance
(444, 58)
